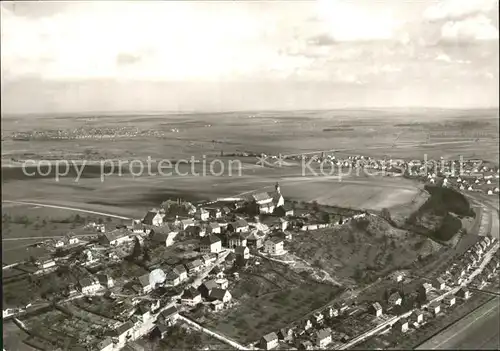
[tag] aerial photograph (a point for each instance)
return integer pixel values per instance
(250, 175)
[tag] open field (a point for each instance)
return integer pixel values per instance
(376, 132)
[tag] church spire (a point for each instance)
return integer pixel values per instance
(277, 187)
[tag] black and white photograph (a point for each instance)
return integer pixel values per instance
(250, 175)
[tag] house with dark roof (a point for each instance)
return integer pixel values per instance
(438, 283)
(145, 284)
(284, 211)
(123, 333)
(330, 312)
(210, 243)
(105, 280)
(206, 288)
(401, 325)
(168, 316)
(274, 246)
(143, 312)
(186, 223)
(255, 240)
(181, 272)
(305, 345)
(395, 299)
(89, 286)
(172, 278)
(154, 218)
(191, 297)
(262, 198)
(242, 251)
(376, 309)
(238, 226)
(194, 266)
(116, 237)
(237, 239)
(217, 305)
(220, 294)
(323, 337)
(449, 300)
(285, 334)
(213, 228)
(217, 273)
(417, 316)
(214, 212)
(160, 331)
(269, 341)
(202, 214)
(435, 308)
(463, 293)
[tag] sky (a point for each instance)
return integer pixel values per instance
(60, 57)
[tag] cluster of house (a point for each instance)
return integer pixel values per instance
(428, 293)
(310, 333)
(471, 178)
(214, 291)
(145, 313)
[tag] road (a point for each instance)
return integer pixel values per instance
(66, 208)
(479, 330)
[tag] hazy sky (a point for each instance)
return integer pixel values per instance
(232, 55)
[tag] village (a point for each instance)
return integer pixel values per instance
(134, 282)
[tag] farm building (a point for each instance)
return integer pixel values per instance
(210, 243)
(274, 246)
(269, 341)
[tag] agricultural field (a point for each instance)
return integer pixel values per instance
(371, 132)
(267, 297)
(435, 132)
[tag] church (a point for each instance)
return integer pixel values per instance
(266, 202)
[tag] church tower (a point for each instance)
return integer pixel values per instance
(277, 188)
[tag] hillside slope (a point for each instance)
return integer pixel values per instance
(362, 250)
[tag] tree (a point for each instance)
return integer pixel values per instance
(386, 214)
(315, 206)
(326, 217)
(100, 221)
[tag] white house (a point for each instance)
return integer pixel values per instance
(172, 279)
(105, 280)
(213, 228)
(181, 272)
(186, 223)
(323, 337)
(274, 246)
(191, 297)
(153, 218)
(242, 251)
(269, 341)
(46, 263)
(220, 294)
(210, 243)
(116, 237)
(401, 325)
(202, 214)
(376, 309)
(89, 286)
